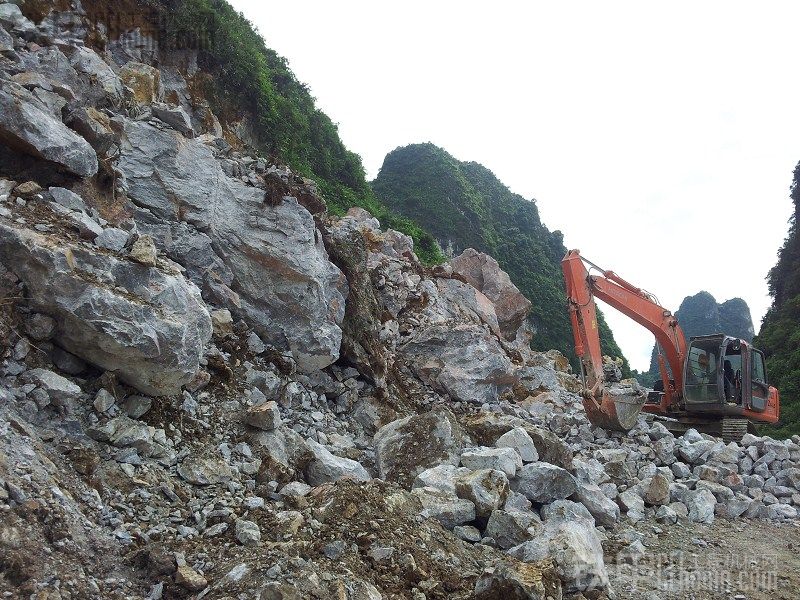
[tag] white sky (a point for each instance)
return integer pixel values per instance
(659, 137)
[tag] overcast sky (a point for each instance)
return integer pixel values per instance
(660, 138)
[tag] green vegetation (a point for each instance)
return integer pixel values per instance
(464, 205)
(246, 77)
(702, 315)
(779, 337)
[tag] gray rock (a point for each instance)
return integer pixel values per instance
(137, 406)
(468, 533)
(103, 401)
(264, 416)
(666, 515)
(487, 489)
(148, 326)
(327, 467)
(701, 506)
(67, 362)
(447, 509)
(604, 510)
(175, 117)
(781, 512)
(482, 272)
(6, 42)
(692, 452)
(68, 199)
(277, 266)
(442, 478)
(144, 252)
(519, 440)
(543, 483)
(515, 581)
(504, 459)
(512, 528)
(283, 451)
(40, 327)
(200, 470)
(27, 126)
(566, 510)
(247, 533)
(54, 384)
(296, 488)
(632, 504)
(575, 550)
(656, 490)
(112, 239)
(406, 447)
(464, 361)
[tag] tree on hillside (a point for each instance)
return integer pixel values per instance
(780, 331)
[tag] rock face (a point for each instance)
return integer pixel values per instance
(27, 126)
(482, 272)
(147, 325)
(271, 258)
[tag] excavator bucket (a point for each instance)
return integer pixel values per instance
(617, 411)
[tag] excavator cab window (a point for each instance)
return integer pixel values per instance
(702, 367)
(758, 381)
(732, 372)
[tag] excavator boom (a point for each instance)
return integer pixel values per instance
(604, 409)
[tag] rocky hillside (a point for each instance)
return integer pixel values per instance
(211, 387)
(464, 205)
(779, 337)
(701, 314)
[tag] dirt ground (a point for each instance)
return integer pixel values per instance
(741, 560)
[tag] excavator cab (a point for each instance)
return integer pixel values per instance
(726, 376)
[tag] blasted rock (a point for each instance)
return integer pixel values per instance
(543, 483)
(26, 125)
(272, 255)
(484, 273)
(574, 548)
(325, 467)
(148, 326)
(406, 447)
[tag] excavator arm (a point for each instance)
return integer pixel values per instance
(604, 409)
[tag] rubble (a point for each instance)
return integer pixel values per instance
(209, 387)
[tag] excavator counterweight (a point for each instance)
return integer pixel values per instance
(699, 384)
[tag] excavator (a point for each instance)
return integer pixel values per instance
(714, 383)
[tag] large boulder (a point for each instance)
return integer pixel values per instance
(148, 325)
(487, 489)
(406, 447)
(484, 273)
(574, 547)
(325, 467)
(281, 281)
(543, 483)
(509, 580)
(462, 360)
(28, 126)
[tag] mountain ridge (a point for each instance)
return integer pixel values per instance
(463, 204)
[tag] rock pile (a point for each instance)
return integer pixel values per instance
(209, 386)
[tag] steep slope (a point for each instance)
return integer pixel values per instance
(463, 205)
(701, 314)
(257, 99)
(779, 337)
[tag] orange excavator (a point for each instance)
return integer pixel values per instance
(714, 383)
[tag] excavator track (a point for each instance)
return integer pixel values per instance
(733, 429)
